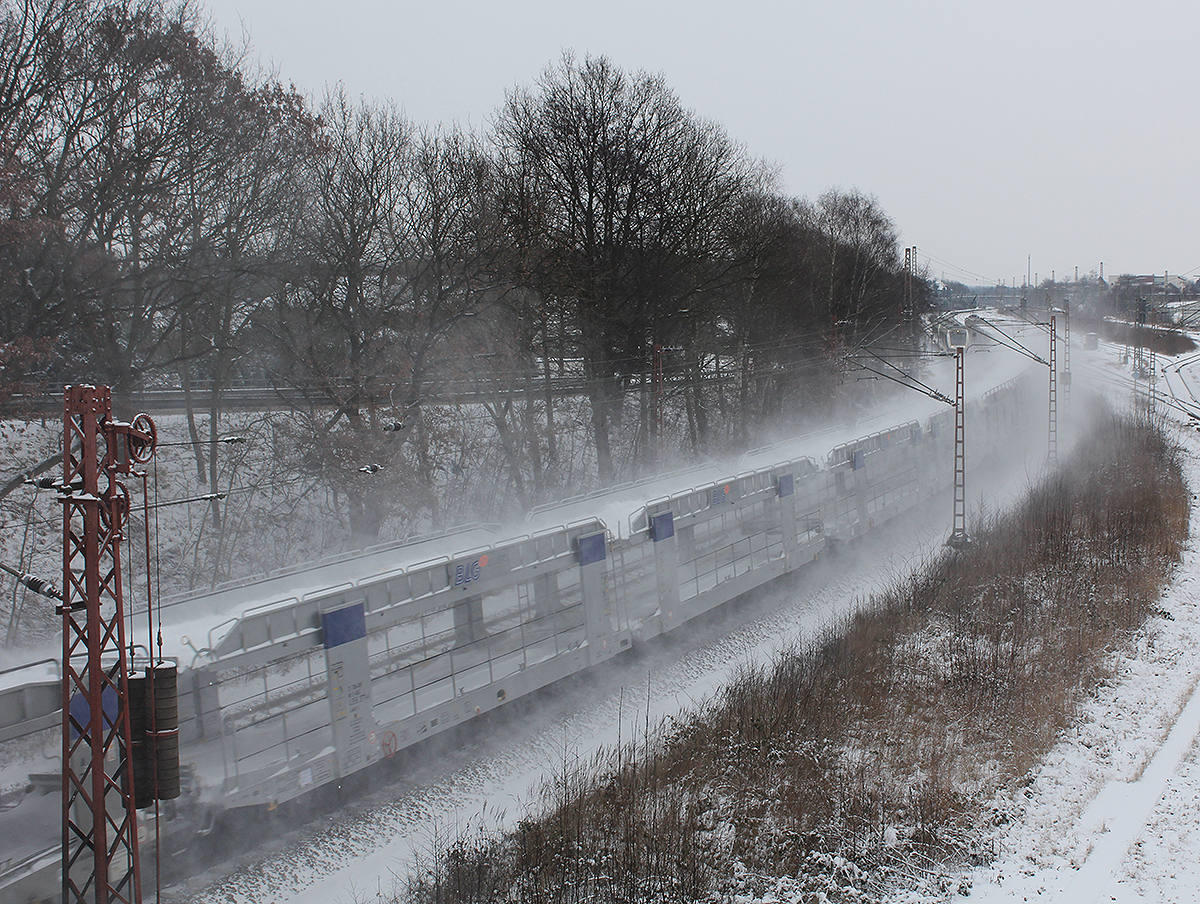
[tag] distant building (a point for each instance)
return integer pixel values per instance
(1160, 295)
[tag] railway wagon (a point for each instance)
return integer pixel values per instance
(318, 673)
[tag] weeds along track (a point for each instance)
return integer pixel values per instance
(864, 758)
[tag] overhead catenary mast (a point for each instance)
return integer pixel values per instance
(959, 539)
(1052, 454)
(1066, 368)
(99, 822)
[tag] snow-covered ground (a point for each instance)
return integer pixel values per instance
(1114, 812)
(1112, 815)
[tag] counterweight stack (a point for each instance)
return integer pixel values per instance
(154, 733)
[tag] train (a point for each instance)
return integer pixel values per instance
(300, 679)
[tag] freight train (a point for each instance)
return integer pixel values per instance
(303, 678)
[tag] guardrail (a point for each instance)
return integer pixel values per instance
(265, 397)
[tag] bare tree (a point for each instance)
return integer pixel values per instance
(37, 60)
(444, 253)
(862, 252)
(332, 320)
(240, 210)
(396, 252)
(119, 137)
(621, 189)
(37, 41)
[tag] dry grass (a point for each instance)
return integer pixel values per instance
(865, 757)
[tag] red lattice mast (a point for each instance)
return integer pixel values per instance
(99, 823)
(1053, 444)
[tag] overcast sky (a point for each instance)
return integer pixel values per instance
(1029, 134)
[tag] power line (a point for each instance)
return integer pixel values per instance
(1008, 342)
(983, 280)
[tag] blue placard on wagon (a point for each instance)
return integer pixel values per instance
(591, 549)
(344, 625)
(662, 526)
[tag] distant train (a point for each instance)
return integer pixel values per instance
(305, 677)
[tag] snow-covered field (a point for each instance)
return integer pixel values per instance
(1112, 815)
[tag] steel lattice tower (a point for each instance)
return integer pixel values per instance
(1151, 377)
(907, 319)
(1053, 453)
(958, 536)
(1067, 357)
(99, 823)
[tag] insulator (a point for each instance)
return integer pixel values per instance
(45, 588)
(55, 483)
(36, 584)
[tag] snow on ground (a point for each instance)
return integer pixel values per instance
(1112, 815)
(1114, 812)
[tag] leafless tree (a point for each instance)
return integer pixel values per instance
(36, 60)
(120, 135)
(240, 209)
(862, 257)
(621, 191)
(396, 253)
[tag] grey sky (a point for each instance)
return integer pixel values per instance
(1061, 131)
